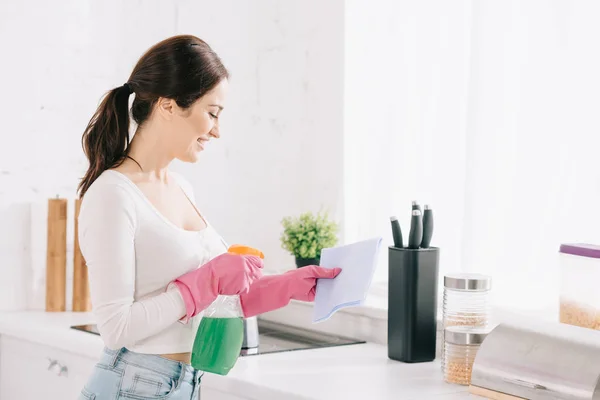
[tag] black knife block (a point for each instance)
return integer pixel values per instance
(412, 304)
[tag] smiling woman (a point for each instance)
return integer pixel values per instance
(154, 262)
(179, 86)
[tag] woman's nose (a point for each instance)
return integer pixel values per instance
(214, 132)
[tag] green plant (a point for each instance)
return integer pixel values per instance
(306, 235)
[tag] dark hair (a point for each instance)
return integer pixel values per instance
(182, 68)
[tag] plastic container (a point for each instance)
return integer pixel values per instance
(219, 339)
(467, 302)
(461, 344)
(579, 295)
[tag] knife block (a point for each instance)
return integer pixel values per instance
(412, 304)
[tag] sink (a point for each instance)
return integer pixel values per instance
(276, 338)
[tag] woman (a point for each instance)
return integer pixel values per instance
(154, 261)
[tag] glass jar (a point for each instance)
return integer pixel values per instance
(460, 349)
(579, 277)
(466, 302)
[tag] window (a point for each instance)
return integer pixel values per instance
(487, 112)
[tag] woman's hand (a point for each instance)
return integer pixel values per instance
(233, 273)
(272, 292)
(303, 281)
(226, 274)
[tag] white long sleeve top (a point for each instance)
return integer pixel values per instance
(132, 252)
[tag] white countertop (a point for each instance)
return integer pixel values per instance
(348, 372)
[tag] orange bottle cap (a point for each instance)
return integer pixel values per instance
(245, 250)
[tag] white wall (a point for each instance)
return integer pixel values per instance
(281, 147)
(281, 143)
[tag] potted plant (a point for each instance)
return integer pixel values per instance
(306, 235)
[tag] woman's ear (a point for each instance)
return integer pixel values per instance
(166, 107)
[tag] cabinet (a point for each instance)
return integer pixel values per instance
(30, 371)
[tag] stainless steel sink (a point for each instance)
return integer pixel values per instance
(275, 338)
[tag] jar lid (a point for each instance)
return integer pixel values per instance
(467, 281)
(465, 335)
(580, 249)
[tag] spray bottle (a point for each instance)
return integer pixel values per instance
(218, 342)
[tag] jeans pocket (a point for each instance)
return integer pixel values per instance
(86, 394)
(102, 384)
(142, 383)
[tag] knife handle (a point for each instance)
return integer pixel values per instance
(427, 227)
(416, 206)
(416, 230)
(396, 232)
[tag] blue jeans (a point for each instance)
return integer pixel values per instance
(123, 374)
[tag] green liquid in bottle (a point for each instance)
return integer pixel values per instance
(217, 344)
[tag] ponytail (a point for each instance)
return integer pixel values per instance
(105, 141)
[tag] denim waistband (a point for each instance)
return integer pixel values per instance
(180, 371)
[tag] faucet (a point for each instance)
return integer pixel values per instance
(250, 333)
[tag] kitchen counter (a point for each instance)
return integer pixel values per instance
(358, 371)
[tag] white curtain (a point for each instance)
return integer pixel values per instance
(489, 112)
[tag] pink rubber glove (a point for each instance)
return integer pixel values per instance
(272, 292)
(226, 274)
